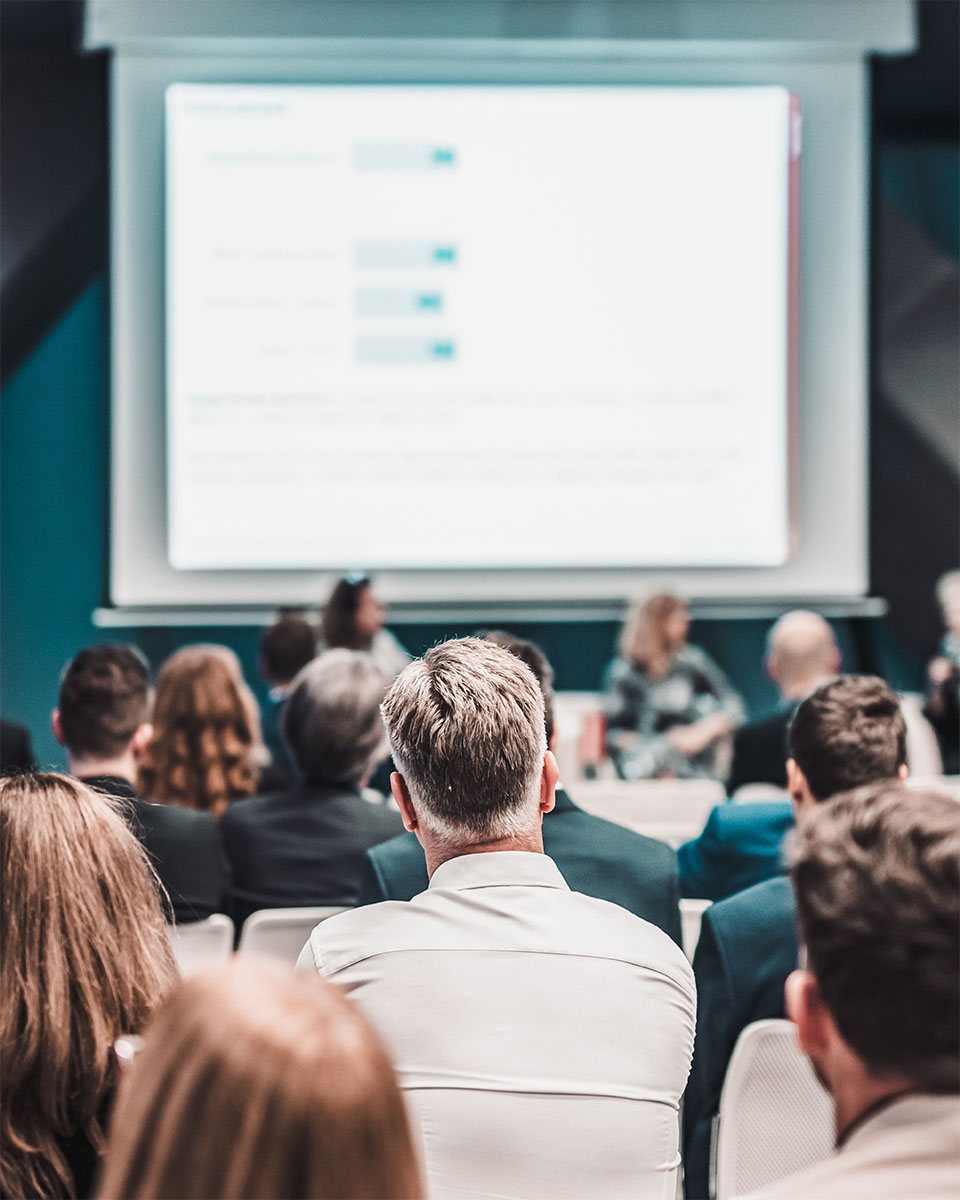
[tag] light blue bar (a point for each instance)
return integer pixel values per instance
(404, 351)
(402, 156)
(397, 302)
(405, 254)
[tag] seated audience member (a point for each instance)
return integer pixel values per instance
(206, 733)
(103, 722)
(256, 1082)
(84, 958)
(848, 733)
(595, 857)
(801, 654)
(353, 619)
(15, 751)
(306, 846)
(877, 1005)
(942, 708)
(543, 1037)
(669, 707)
(286, 647)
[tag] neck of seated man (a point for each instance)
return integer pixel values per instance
(85, 766)
(438, 849)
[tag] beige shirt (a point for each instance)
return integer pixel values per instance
(542, 1037)
(910, 1150)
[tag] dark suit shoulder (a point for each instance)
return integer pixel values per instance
(728, 820)
(608, 838)
(744, 917)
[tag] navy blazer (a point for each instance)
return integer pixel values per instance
(594, 856)
(741, 844)
(747, 948)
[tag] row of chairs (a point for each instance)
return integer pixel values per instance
(774, 1119)
(281, 933)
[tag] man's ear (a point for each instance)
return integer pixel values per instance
(798, 787)
(401, 793)
(141, 740)
(903, 772)
(805, 1008)
(548, 782)
(57, 726)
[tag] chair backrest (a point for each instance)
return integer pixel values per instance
(281, 932)
(677, 807)
(775, 1118)
(691, 916)
(202, 943)
(759, 793)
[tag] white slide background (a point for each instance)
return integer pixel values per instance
(434, 327)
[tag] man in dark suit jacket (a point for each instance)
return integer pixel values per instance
(801, 654)
(595, 856)
(849, 732)
(103, 721)
(305, 846)
(741, 844)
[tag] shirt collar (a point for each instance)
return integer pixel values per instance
(498, 868)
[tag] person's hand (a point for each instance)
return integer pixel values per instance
(624, 739)
(940, 670)
(692, 739)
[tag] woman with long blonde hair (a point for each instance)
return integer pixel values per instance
(257, 1082)
(206, 733)
(669, 707)
(84, 958)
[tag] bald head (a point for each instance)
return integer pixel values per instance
(801, 653)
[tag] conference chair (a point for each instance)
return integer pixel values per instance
(775, 1118)
(202, 943)
(760, 793)
(281, 932)
(691, 917)
(673, 810)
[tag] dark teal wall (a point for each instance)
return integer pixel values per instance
(53, 551)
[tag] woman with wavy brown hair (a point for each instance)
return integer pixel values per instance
(84, 958)
(206, 732)
(256, 1082)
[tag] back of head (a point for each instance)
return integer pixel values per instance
(104, 699)
(201, 755)
(286, 647)
(466, 727)
(84, 956)
(847, 733)
(877, 878)
(645, 638)
(537, 661)
(801, 649)
(257, 1082)
(338, 620)
(332, 719)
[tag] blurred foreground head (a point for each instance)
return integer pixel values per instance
(877, 878)
(258, 1082)
(84, 958)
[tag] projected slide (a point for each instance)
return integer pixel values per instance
(477, 326)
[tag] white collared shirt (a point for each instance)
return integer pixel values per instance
(543, 1037)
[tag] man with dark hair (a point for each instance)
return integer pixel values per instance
(876, 874)
(595, 856)
(103, 721)
(286, 647)
(847, 733)
(542, 1036)
(305, 845)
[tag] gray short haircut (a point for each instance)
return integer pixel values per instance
(332, 719)
(466, 726)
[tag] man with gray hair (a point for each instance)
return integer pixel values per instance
(542, 1037)
(306, 846)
